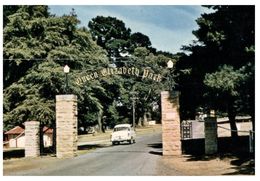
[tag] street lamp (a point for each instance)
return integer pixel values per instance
(66, 71)
(170, 66)
(133, 98)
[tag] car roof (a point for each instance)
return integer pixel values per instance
(122, 125)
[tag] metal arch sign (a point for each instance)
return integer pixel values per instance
(144, 73)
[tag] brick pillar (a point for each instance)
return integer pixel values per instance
(32, 139)
(171, 135)
(211, 137)
(66, 126)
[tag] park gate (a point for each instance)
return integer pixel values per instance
(66, 127)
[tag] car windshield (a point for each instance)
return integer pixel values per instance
(120, 129)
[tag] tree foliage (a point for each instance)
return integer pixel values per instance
(226, 80)
(126, 49)
(221, 63)
(112, 34)
(37, 45)
(36, 48)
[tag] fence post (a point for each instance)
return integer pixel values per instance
(211, 137)
(251, 141)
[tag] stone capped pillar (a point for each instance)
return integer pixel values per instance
(211, 135)
(171, 135)
(32, 139)
(66, 126)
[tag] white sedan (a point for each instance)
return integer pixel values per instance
(123, 132)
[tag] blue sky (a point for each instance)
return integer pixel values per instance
(168, 26)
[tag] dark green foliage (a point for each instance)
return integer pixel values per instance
(110, 33)
(11, 9)
(226, 80)
(126, 49)
(36, 48)
(140, 40)
(221, 63)
(38, 45)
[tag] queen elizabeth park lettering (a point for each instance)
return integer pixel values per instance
(143, 73)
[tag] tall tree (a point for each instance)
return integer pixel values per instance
(38, 45)
(140, 40)
(225, 85)
(126, 49)
(111, 34)
(225, 37)
(36, 48)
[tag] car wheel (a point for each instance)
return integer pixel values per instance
(113, 142)
(130, 141)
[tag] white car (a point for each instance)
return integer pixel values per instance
(123, 132)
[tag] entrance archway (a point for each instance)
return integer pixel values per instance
(66, 111)
(66, 124)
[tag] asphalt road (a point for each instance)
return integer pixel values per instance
(141, 159)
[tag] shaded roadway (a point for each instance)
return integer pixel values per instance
(140, 159)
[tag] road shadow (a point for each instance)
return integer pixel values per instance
(158, 148)
(92, 146)
(122, 143)
(241, 160)
(243, 166)
(19, 153)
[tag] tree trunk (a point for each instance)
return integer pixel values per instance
(145, 122)
(139, 123)
(232, 121)
(41, 139)
(103, 122)
(253, 120)
(233, 127)
(99, 121)
(54, 137)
